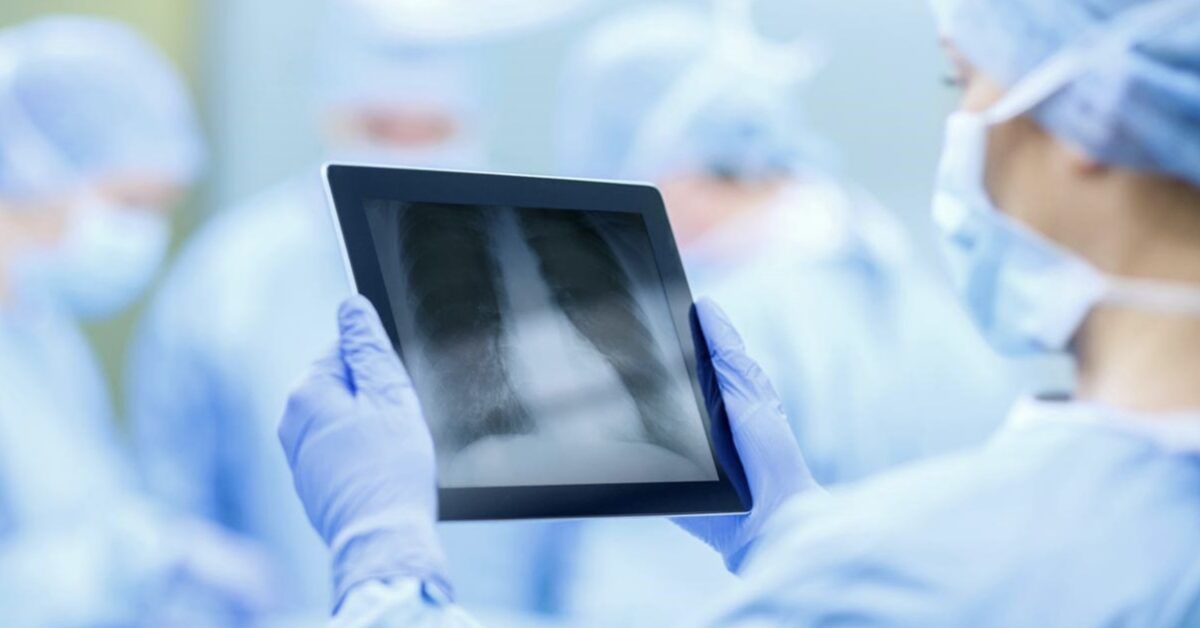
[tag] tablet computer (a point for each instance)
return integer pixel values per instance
(549, 332)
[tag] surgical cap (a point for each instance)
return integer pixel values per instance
(82, 98)
(669, 87)
(1140, 111)
(361, 62)
(420, 53)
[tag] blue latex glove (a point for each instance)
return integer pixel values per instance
(775, 469)
(363, 460)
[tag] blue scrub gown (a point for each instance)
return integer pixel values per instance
(1072, 516)
(79, 543)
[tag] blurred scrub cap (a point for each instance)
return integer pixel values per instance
(672, 87)
(419, 52)
(83, 98)
(1139, 110)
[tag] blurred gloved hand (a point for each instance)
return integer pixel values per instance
(231, 568)
(202, 575)
(775, 469)
(363, 460)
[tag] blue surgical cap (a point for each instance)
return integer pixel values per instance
(669, 87)
(365, 59)
(420, 52)
(82, 98)
(1140, 111)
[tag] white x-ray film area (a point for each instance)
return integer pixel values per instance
(541, 345)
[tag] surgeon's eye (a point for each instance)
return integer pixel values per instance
(953, 80)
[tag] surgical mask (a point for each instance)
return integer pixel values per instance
(1027, 294)
(107, 256)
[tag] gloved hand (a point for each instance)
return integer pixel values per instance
(363, 460)
(775, 469)
(230, 568)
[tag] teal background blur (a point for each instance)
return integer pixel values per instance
(879, 100)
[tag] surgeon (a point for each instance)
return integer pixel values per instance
(1067, 201)
(97, 142)
(244, 308)
(877, 363)
(698, 102)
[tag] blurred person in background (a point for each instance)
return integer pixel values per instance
(700, 104)
(98, 141)
(245, 305)
(875, 360)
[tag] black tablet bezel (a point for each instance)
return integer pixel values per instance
(349, 186)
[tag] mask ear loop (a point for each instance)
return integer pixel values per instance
(1157, 296)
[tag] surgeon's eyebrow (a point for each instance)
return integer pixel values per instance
(455, 291)
(591, 286)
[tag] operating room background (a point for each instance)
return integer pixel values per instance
(879, 99)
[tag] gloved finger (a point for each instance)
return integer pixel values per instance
(328, 369)
(718, 329)
(327, 376)
(742, 380)
(761, 432)
(372, 363)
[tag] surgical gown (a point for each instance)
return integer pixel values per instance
(250, 302)
(79, 545)
(1071, 515)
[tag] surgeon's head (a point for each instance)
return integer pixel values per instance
(1069, 191)
(690, 99)
(389, 97)
(97, 141)
(1101, 152)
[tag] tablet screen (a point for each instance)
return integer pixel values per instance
(541, 345)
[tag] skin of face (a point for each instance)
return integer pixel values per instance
(1122, 221)
(1127, 223)
(410, 126)
(699, 202)
(41, 222)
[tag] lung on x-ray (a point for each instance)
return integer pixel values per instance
(541, 345)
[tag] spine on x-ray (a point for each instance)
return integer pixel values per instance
(455, 289)
(590, 285)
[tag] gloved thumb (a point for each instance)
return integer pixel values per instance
(741, 378)
(371, 362)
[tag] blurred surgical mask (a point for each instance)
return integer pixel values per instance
(1027, 294)
(106, 257)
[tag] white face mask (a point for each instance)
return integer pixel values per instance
(105, 259)
(1026, 293)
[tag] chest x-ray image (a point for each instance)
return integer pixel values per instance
(541, 345)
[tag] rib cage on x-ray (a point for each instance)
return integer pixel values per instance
(590, 285)
(468, 284)
(454, 285)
